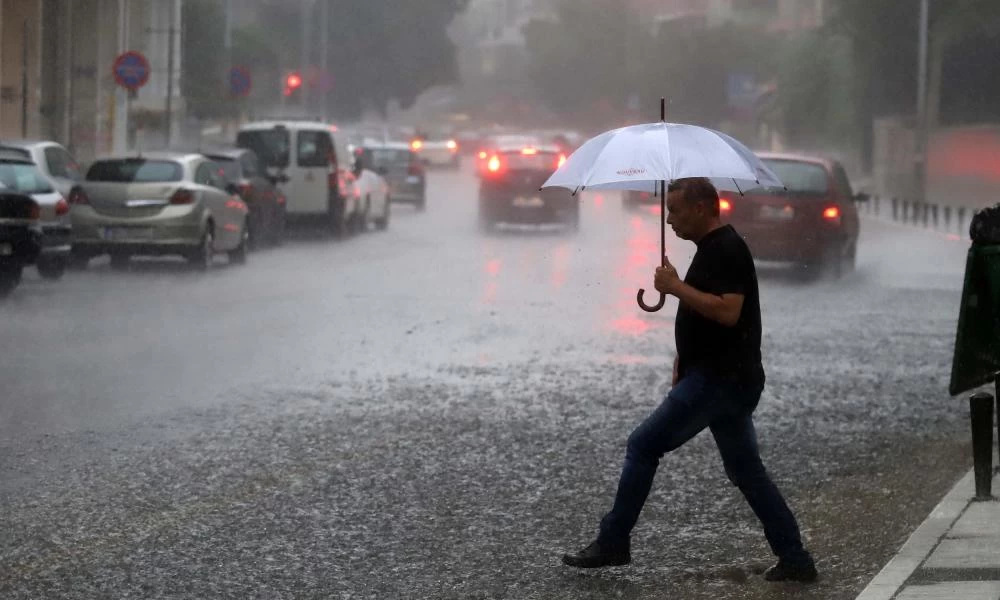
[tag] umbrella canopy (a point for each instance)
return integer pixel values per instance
(640, 156)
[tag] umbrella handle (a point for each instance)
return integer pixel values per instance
(648, 308)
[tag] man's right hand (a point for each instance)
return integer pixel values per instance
(674, 381)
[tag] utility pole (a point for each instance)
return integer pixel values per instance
(921, 133)
(324, 61)
(168, 117)
(304, 54)
(24, 79)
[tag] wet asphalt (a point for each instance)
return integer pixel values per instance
(431, 412)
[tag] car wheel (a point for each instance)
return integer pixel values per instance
(52, 268)
(10, 277)
(382, 223)
(200, 258)
(238, 256)
(120, 261)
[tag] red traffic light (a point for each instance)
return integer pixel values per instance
(292, 82)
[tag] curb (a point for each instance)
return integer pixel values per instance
(920, 544)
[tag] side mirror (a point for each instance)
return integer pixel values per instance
(862, 197)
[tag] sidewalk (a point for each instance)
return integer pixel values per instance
(953, 555)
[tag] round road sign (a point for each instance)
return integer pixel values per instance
(240, 81)
(131, 70)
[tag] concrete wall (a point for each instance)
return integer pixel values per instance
(20, 59)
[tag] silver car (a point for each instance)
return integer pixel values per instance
(158, 204)
(53, 173)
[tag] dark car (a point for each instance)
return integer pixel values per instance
(814, 223)
(402, 169)
(509, 188)
(259, 190)
(20, 237)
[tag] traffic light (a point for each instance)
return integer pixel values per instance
(293, 82)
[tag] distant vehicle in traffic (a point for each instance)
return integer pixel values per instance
(372, 190)
(402, 169)
(19, 173)
(158, 204)
(436, 151)
(259, 190)
(814, 223)
(308, 154)
(20, 237)
(509, 189)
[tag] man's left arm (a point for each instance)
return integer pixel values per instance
(724, 309)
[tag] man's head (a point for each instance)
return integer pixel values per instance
(692, 207)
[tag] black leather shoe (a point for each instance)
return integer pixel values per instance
(595, 556)
(787, 572)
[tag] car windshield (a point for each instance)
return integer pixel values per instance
(800, 177)
(230, 167)
(135, 170)
(24, 178)
(272, 146)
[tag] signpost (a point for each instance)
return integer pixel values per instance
(131, 70)
(240, 81)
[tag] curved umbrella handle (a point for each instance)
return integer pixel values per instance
(648, 308)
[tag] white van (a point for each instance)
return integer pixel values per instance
(306, 153)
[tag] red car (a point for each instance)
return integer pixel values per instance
(814, 223)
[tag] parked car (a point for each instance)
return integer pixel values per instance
(402, 170)
(259, 190)
(308, 154)
(20, 237)
(19, 173)
(813, 223)
(158, 204)
(509, 189)
(53, 159)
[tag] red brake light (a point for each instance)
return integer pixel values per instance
(78, 196)
(482, 155)
(561, 161)
(832, 213)
(62, 207)
(725, 205)
(529, 151)
(494, 164)
(182, 196)
(416, 145)
(452, 145)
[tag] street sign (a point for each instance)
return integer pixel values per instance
(131, 70)
(240, 81)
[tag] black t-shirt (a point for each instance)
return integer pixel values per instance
(722, 265)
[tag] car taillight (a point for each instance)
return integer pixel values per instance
(561, 160)
(644, 195)
(494, 165)
(62, 207)
(79, 197)
(416, 145)
(281, 199)
(483, 155)
(832, 214)
(182, 197)
(452, 145)
(725, 206)
(529, 151)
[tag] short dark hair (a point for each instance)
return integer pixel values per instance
(697, 189)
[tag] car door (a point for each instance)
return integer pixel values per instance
(222, 209)
(315, 159)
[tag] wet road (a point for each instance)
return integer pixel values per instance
(434, 413)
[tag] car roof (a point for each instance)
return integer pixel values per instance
(385, 145)
(161, 155)
(14, 156)
(28, 144)
(233, 153)
(792, 157)
(288, 124)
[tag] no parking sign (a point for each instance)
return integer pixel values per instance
(131, 70)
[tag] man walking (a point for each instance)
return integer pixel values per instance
(718, 379)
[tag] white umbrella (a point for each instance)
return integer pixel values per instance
(644, 157)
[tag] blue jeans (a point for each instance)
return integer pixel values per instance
(698, 401)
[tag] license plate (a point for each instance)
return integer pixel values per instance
(6, 249)
(412, 179)
(533, 201)
(127, 233)
(777, 213)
